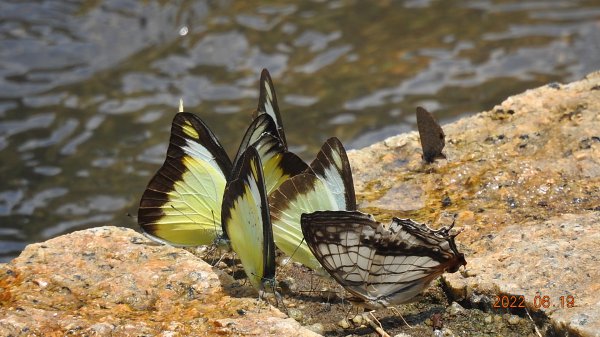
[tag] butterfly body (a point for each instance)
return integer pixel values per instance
(380, 265)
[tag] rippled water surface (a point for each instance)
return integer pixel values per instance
(88, 89)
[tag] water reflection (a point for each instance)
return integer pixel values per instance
(88, 90)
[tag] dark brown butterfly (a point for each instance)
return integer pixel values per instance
(431, 135)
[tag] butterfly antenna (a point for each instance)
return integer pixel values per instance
(294, 253)
(452, 225)
(328, 303)
(453, 221)
(349, 309)
(311, 281)
(180, 212)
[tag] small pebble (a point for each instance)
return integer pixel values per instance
(316, 328)
(513, 320)
(402, 334)
(358, 319)
(344, 324)
(295, 314)
(455, 308)
(488, 319)
(288, 285)
(41, 283)
(447, 333)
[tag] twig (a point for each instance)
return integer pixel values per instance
(377, 327)
(534, 325)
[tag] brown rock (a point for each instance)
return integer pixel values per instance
(525, 178)
(111, 281)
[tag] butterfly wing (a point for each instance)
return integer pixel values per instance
(333, 167)
(409, 256)
(383, 266)
(337, 239)
(299, 194)
(278, 163)
(246, 221)
(431, 135)
(182, 203)
(261, 126)
(267, 103)
(326, 186)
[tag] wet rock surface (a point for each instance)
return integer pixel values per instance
(524, 181)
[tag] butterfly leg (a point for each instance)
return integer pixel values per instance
(269, 286)
(397, 313)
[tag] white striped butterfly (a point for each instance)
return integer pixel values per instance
(181, 205)
(246, 220)
(431, 136)
(327, 185)
(380, 265)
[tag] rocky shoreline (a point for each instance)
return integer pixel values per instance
(523, 179)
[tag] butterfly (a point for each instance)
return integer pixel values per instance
(380, 265)
(327, 185)
(431, 136)
(182, 202)
(246, 220)
(181, 205)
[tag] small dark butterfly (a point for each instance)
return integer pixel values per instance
(431, 135)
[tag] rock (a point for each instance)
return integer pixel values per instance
(111, 281)
(295, 314)
(513, 320)
(344, 324)
(288, 285)
(447, 333)
(358, 320)
(402, 334)
(316, 328)
(455, 309)
(524, 180)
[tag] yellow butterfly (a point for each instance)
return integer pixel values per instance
(326, 185)
(181, 205)
(246, 220)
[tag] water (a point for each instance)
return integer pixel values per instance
(88, 90)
